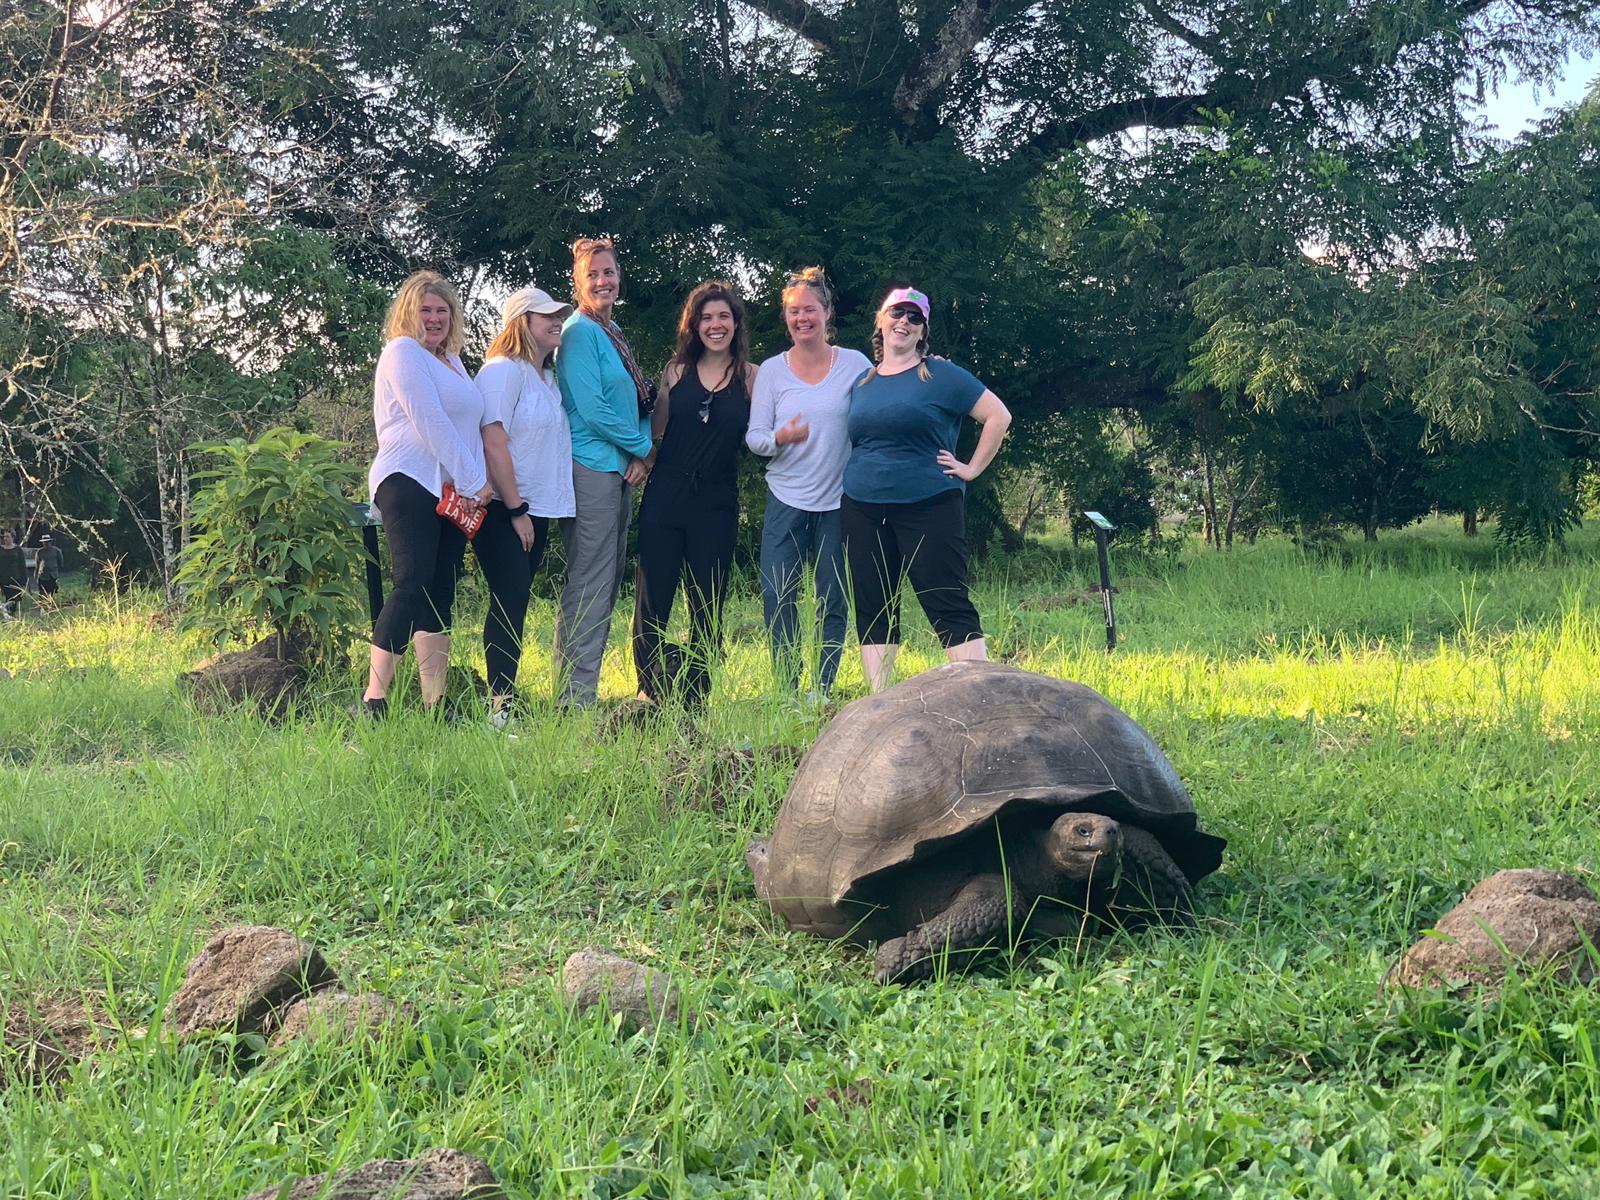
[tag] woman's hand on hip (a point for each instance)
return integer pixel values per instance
(954, 466)
(524, 527)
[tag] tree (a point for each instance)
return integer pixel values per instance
(156, 288)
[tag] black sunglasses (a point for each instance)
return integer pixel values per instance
(909, 313)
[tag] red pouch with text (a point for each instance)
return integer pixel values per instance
(453, 509)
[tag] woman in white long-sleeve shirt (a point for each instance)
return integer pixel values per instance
(428, 414)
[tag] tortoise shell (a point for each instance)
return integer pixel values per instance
(900, 777)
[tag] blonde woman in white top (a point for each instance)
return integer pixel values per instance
(528, 446)
(428, 413)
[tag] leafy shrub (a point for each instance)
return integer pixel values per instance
(274, 550)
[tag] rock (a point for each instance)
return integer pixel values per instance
(436, 1175)
(267, 676)
(1524, 918)
(244, 977)
(41, 1040)
(339, 1013)
(643, 995)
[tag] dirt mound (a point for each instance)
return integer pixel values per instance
(336, 1014)
(268, 677)
(436, 1175)
(713, 781)
(1542, 920)
(41, 1040)
(244, 978)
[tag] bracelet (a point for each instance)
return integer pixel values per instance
(520, 510)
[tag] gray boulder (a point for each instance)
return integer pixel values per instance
(643, 995)
(436, 1175)
(244, 978)
(1528, 919)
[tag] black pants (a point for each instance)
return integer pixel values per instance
(425, 553)
(508, 570)
(926, 539)
(679, 534)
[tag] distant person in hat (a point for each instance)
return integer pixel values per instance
(47, 562)
(13, 576)
(527, 445)
(904, 510)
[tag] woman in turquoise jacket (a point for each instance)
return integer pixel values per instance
(608, 401)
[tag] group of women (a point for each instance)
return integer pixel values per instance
(562, 424)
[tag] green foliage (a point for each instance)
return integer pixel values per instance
(274, 551)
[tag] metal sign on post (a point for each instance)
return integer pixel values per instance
(1102, 528)
(366, 516)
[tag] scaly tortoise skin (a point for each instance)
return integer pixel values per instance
(974, 803)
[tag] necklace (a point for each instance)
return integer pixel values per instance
(833, 359)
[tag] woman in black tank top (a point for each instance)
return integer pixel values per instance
(689, 519)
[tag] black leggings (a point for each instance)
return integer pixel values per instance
(425, 553)
(680, 537)
(508, 571)
(926, 539)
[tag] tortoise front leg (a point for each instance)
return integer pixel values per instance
(981, 911)
(1152, 887)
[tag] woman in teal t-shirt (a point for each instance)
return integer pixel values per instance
(903, 511)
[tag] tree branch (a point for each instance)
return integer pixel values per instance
(942, 58)
(1231, 91)
(1169, 23)
(817, 27)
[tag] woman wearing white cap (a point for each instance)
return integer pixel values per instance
(527, 446)
(903, 511)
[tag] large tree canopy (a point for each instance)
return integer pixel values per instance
(1261, 233)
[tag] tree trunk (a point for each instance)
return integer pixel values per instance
(1369, 529)
(1469, 521)
(1209, 531)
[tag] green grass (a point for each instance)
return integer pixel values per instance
(1372, 733)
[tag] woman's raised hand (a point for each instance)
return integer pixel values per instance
(795, 429)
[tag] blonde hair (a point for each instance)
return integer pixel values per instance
(515, 341)
(877, 351)
(584, 250)
(405, 311)
(814, 278)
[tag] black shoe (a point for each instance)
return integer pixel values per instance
(375, 709)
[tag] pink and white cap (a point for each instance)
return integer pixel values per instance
(906, 295)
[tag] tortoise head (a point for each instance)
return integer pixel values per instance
(1084, 845)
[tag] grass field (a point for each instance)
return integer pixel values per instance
(1373, 732)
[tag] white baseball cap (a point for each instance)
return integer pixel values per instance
(532, 300)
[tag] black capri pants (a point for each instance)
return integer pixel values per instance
(926, 539)
(508, 570)
(425, 552)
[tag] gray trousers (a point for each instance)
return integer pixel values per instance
(597, 547)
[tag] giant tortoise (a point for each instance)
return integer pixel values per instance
(977, 802)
